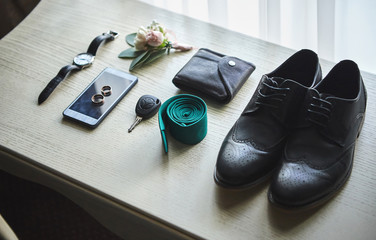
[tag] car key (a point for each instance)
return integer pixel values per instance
(146, 107)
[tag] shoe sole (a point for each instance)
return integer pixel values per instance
(243, 186)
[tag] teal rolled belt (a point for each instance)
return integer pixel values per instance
(186, 117)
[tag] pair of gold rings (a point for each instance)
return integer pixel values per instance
(98, 98)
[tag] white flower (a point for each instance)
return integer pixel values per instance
(155, 26)
(140, 39)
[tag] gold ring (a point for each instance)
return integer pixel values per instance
(106, 91)
(97, 99)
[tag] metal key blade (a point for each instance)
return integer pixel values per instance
(136, 122)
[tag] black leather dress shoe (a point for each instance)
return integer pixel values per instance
(318, 155)
(254, 145)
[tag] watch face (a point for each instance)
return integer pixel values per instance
(83, 59)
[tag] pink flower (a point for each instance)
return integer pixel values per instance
(154, 38)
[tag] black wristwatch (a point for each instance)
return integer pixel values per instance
(81, 61)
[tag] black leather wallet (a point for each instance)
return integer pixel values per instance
(213, 74)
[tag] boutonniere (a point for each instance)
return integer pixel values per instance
(150, 43)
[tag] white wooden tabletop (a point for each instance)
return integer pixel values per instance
(125, 180)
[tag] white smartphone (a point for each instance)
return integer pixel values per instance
(100, 97)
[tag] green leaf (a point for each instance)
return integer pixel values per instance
(130, 39)
(155, 55)
(130, 53)
(138, 61)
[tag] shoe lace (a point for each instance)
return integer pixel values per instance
(319, 111)
(270, 94)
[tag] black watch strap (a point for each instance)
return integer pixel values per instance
(94, 45)
(63, 73)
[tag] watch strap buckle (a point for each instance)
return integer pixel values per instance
(113, 33)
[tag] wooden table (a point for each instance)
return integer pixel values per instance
(125, 180)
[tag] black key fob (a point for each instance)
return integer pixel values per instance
(147, 106)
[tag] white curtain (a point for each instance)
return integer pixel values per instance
(335, 29)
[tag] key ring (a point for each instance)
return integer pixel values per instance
(97, 99)
(106, 91)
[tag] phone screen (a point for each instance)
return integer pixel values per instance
(84, 110)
